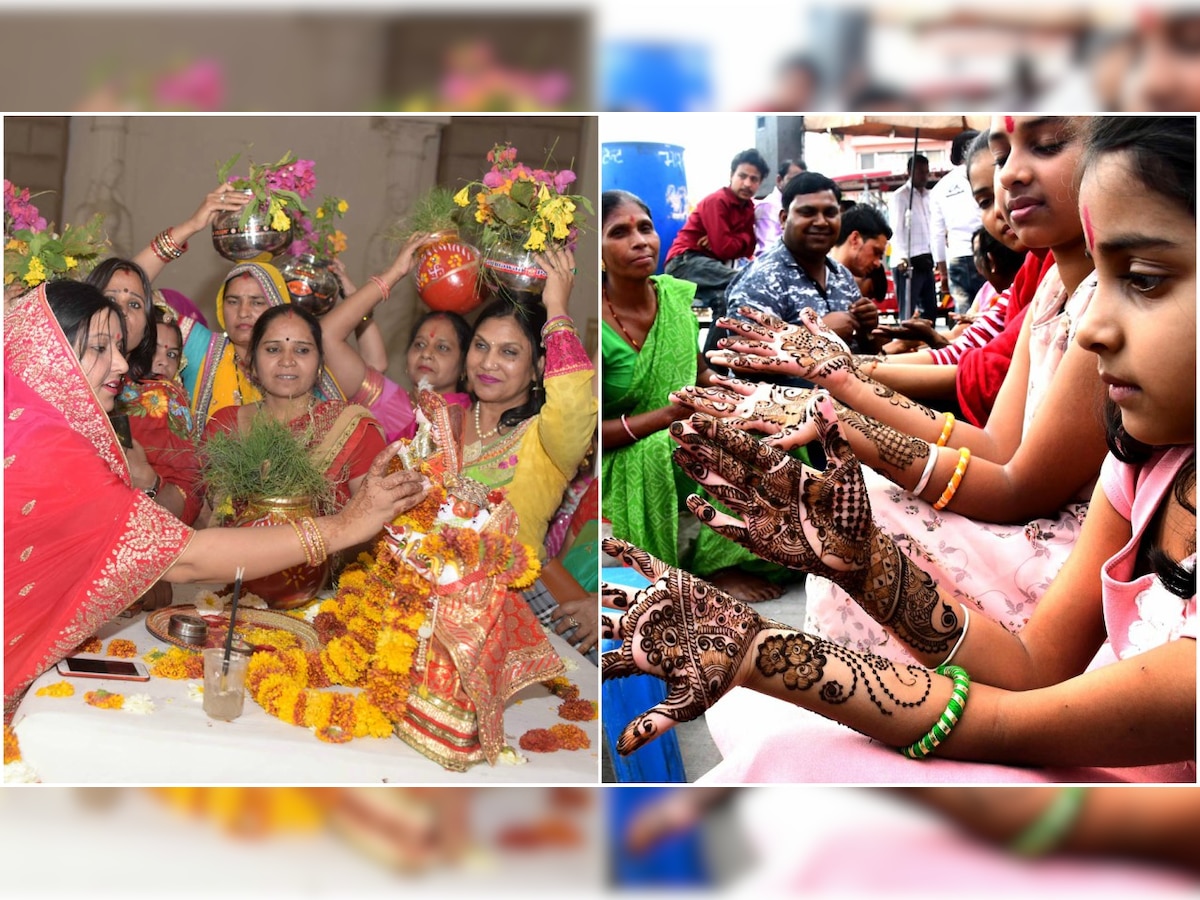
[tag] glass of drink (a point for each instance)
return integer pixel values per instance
(224, 687)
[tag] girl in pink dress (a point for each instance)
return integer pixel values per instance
(1101, 683)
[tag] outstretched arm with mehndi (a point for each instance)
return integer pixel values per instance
(1030, 702)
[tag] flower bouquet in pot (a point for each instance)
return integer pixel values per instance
(316, 242)
(521, 211)
(447, 268)
(34, 252)
(265, 476)
(264, 225)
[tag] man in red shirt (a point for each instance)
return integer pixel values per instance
(719, 231)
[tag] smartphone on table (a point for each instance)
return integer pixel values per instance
(91, 667)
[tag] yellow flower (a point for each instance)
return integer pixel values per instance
(58, 689)
(36, 274)
(19, 246)
(279, 219)
(320, 212)
(537, 240)
(70, 261)
(342, 206)
(463, 197)
(9, 277)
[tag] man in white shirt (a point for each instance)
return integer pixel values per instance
(954, 217)
(912, 253)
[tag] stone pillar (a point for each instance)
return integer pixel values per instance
(411, 148)
(106, 189)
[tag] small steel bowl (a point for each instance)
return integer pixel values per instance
(190, 629)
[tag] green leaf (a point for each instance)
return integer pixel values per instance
(224, 170)
(524, 192)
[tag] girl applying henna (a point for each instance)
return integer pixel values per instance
(1103, 675)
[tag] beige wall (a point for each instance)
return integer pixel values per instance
(148, 172)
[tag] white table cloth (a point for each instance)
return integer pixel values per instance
(67, 741)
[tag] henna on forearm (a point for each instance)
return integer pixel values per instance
(894, 398)
(802, 662)
(896, 451)
(903, 598)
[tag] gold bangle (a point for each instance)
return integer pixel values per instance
(964, 457)
(308, 558)
(313, 534)
(947, 427)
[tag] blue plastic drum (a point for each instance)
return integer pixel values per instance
(655, 173)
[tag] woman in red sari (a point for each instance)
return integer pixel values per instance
(286, 360)
(81, 543)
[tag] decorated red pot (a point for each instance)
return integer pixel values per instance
(447, 273)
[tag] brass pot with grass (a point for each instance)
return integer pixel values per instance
(264, 476)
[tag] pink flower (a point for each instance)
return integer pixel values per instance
(200, 86)
(562, 179)
(18, 207)
(494, 179)
(296, 176)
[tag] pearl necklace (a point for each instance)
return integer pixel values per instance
(474, 450)
(480, 437)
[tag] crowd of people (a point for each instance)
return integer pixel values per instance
(1005, 578)
(97, 521)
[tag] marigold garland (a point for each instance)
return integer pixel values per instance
(58, 689)
(369, 631)
(122, 648)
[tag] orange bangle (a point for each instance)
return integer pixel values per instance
(947, 427)
(964, 457)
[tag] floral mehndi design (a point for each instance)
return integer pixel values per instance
(680, 629)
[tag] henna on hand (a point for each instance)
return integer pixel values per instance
(814, 522)
(767, 408)
(768, 344)
(806, 520)
(680, 629)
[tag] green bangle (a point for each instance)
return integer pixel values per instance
(1051, 828)
(945, 724)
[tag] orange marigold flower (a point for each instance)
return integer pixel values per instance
(561, 686)
(570, 737)
(123, 648)
(577, 710)
(58, 689)
(104, 699)
(91, 645)
(12, 749)
(539, 740)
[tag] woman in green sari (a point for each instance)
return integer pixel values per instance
(650, 345)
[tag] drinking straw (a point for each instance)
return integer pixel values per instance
(237, 590)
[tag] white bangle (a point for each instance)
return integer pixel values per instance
(966, 625)
(925, 476)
